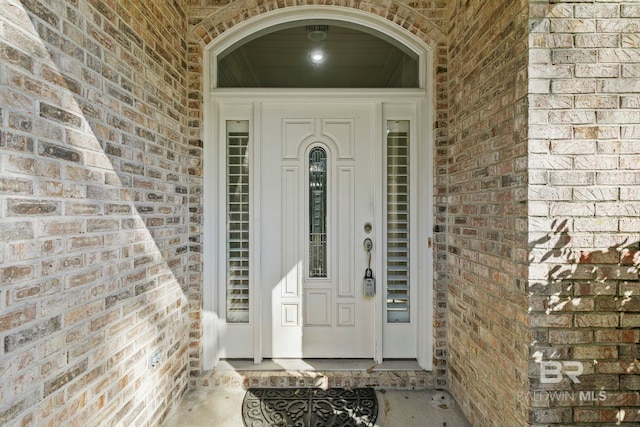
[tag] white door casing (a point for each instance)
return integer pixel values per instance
(293, 315)
(221, 339)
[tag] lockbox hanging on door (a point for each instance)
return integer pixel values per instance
(369, 281)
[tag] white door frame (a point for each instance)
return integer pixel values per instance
(213, 323)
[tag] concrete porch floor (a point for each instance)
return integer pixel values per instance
(412, 403)
(222, 407)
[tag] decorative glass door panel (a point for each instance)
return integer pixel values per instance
(318, 212)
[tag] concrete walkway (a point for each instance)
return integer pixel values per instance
(222, 407)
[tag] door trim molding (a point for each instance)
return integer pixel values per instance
(256, 24)
(212, 327)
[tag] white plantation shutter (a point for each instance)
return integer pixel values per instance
(237, 221)
(398, 221)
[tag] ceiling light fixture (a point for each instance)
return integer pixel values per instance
(317, 57)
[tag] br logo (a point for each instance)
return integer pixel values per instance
(552, 372)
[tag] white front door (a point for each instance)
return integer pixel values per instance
(300, 185)
(317, 205)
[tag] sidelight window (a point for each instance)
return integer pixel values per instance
(398, 221)
(237, 160)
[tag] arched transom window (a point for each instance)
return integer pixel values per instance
(317, 54)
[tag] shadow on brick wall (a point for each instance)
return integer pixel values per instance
(585, 319)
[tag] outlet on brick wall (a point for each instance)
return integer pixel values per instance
(154, 358)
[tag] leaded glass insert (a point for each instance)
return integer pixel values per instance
(237, 221)
(398, 221)
(318, 213)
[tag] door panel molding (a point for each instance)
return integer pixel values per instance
(291, 267)
(296, 130)
(345, 229)
(338, 131)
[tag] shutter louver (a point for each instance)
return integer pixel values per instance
(237, 223)
(398, 225)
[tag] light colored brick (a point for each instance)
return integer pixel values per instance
(550, 131)
(573, 26)
(630, 101)
(583, 10)
(596, 224)
(618, 116)
(617, 209)
(573, 56)
(618, 26)
(597, 40)
(576, 209)
(596, 162)
(571, 178)
(16, 230)
(550, 102)
(593, 70)
(545, 71)
(624, 55)
(629, 131)
(630, 70)
(574, 117)
(575, 86)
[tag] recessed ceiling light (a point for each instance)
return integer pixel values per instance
(317, 57)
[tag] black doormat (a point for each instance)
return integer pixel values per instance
(310, 407)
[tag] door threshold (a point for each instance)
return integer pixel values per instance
(318, 365)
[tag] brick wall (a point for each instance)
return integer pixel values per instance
(536, 177)
(425, 19)
(585, 209)
(487, 210)
(94, 220)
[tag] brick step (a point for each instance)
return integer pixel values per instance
(387, 376)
